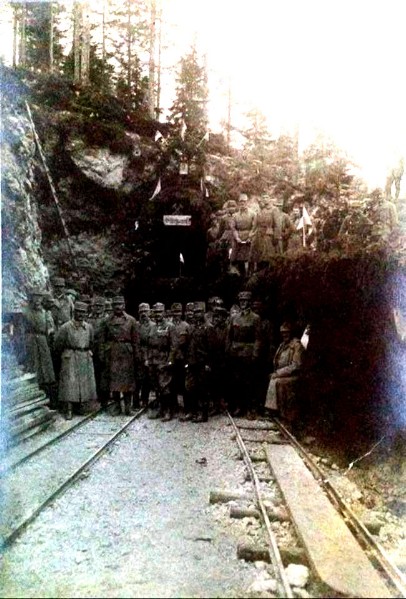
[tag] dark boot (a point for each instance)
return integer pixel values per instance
(68, 415)
(127, 405)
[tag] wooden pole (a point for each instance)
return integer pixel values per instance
(51, 185)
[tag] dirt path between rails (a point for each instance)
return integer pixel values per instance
(140, 524)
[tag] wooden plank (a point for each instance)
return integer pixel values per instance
(334, 553)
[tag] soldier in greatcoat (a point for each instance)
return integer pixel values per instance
(243, 346)
(242, 226)
(181, 336)
(74, 343)
(262, 246)
(189, 312)
(96, 320)
(267, 348)
(217, 336)
(160, 357)
(120, 340)
(39, 331)
(63, 305)
(197, 367)
(146, 325)
(282, 394)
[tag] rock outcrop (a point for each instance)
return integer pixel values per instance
(23, 262)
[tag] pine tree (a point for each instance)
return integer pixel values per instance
(129, 23)
(189, 111)
(40, 47)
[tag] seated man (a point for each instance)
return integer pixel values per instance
(281, 397)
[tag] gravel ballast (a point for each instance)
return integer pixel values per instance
(139, 523)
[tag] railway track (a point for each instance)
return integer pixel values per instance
(30, 485)
(343, 556)
(6, 467)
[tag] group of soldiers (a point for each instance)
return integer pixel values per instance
(189, 363)
(245, 235)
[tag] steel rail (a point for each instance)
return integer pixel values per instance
(392, 573)
(11, 537)
(273, 546)
(55, 439)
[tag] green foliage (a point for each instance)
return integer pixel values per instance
(38, 35)
(189, 110)
(100, 71)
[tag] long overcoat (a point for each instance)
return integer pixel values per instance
(241, 226)
(120, 339)
(74, 341)
(262, 247)
(62, 310)
(161, 351)
(282, 390)
(39, 326)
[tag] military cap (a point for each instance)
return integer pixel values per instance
(59, 281)
(99, 301)
(199, 306)
(118, 299)
(159, 307)
(71, 292)
(81, 306)
(243, 197)
(220, 310)
(143, 307)
(245, 295)
(177, 307)
(190, 305)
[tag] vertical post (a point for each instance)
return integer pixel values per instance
(151, 78)
(51, 36)
(229, 114)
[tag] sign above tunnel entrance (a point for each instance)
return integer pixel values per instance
(177, 220)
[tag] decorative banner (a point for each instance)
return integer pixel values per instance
(183, 168)
(178, 220)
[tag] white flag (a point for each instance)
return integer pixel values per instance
(157, 190)
(306, 218)
(205, 137)
(183, 129)
(158, 135)
(136, 225)
(181, 259)
(300, 224)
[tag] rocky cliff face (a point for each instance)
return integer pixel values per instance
(22, 256)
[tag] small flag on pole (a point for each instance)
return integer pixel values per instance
(306, 218)
(183, 129)
(136, 225)
(158, 136)
(205, 137)
(157, 190)
(181, 259)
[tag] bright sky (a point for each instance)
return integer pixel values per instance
(331, 66)
(335, 66)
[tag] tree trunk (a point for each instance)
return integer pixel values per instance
(151, 79)
(23, 41)
(15, 35)
(85, 46)
(51, 37)
(129, 43)
(77, 26)
(158, 85)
